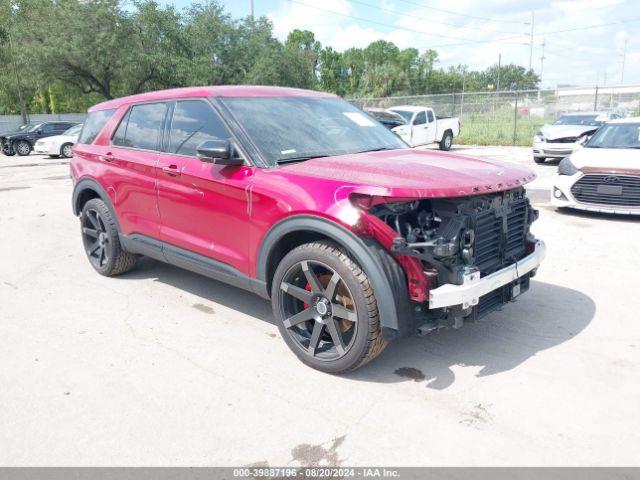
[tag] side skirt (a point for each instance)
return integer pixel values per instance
(193, 262)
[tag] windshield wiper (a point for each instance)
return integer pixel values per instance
(298, 159)
(377, 150)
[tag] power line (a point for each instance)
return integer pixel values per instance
(589, 27)
(465, 40)
(460, 14)
(424, 19)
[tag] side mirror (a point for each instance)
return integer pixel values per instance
(39, 132)
(220, 152)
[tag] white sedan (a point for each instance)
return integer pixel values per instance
(60, 144)
(567, 134)
(604, 175)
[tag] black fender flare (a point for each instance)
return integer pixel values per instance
(91, 184)
(356, 246)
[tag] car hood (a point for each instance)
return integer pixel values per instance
(414, 173)
(606, 159)
(552, 132)
(11, 134)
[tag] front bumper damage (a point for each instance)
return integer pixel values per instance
(554, 150)
(473, 287)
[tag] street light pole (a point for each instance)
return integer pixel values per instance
(533, 20)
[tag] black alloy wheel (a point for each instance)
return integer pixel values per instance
(318, 310)
(101, 241)
(325, 308)
(95, 238)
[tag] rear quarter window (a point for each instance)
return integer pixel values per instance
(93, 125)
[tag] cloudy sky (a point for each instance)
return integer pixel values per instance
(584, 39)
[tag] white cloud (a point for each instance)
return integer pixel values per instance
(578, 57)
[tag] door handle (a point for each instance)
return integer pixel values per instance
(107, 157)
(172, 170)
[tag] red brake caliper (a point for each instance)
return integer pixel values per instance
(308, 289)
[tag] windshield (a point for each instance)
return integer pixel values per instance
(591, 120)
(621, 135)
(298, 128)
(32, 128)
(75, 130)
(406, 114)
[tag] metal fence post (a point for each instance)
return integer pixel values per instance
(595, 101)
(515, 120)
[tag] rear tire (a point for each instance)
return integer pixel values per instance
(101, 242)
(325, 308)
(539, 160)
(66, 150)
(22, 148)
(447, 141)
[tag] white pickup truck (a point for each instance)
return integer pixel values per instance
(422, 127)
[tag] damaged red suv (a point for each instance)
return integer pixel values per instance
(307, 201)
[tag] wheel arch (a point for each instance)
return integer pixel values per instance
(87, 189)
(300, 229)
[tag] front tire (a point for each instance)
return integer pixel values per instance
(8, 151)
(101, 241)
(325, 308)
(22, 148)
(539, 160)
(447, 141)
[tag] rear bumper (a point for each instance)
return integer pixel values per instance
(473, 287)
(46, 149)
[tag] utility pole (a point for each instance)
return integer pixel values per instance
(624, 58)
(544, 43)
(499, 64)
(251, 9)
(533, 21)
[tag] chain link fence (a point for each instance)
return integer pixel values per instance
(514, 117)
(487, 118)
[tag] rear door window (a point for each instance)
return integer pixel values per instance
(141, 127)
(93, 125)
(194, 121)
(430, 116)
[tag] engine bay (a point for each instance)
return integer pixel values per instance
(452, 237)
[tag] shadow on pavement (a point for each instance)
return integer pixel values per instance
(546, 316)
(203, 287)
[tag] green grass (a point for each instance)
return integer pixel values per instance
(498, 129)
